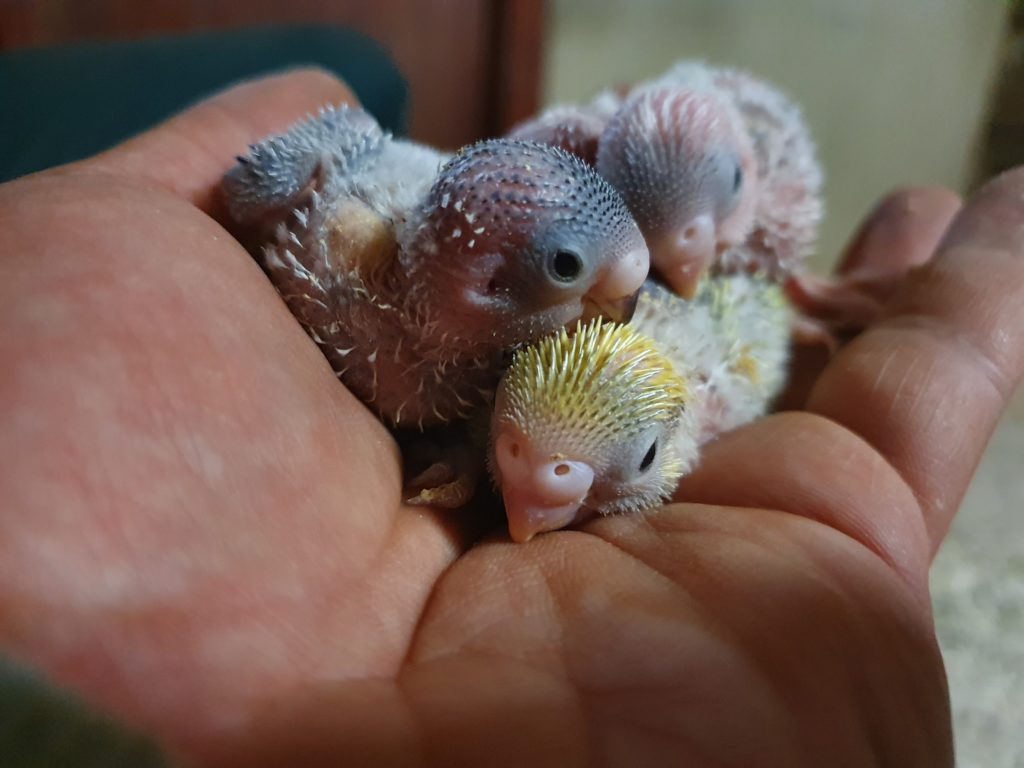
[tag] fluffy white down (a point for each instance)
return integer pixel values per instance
(731, 341)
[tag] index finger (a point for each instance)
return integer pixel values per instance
(926, 385)
(189, 153)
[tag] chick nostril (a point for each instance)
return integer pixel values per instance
(514, 450)
(689, 234)
(562, 481)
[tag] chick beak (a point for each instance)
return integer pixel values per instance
(685, 254)
(615, 295)
(619, 310)
(540, 495)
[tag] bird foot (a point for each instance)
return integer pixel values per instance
(842, 303)
(830, 309)
(445, 464)
(441, 485)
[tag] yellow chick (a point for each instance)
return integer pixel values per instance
(608, 418)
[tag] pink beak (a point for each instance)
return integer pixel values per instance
(541, 493)
(614, 295)
(685, 254)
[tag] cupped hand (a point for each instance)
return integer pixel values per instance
(201, 529)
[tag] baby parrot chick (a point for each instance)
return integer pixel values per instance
(708, 159)
(596, 420)
(608, 418)
(414, 271)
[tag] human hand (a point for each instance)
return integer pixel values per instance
(202, 530)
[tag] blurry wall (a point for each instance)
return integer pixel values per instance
(1002, 145)
(894, 90)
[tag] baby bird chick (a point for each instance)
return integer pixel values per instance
(707, 159)
(594, 420)
(609, 418)
(414, 271)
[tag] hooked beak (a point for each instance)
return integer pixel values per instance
(615, 295)
(685, 254)
(619, 310)
(540, 493)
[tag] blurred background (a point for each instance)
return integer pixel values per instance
(914, 92)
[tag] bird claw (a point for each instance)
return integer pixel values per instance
(438, 473)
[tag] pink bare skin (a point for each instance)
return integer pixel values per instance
(201, 532)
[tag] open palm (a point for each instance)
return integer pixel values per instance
(201, 529)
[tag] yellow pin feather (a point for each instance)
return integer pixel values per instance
(604, 380)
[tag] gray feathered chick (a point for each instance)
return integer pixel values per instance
(414, 271)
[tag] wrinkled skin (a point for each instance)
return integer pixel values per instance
(200, 530)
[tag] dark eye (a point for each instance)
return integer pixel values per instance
(648, 459)
(737, 180)
(566, 266)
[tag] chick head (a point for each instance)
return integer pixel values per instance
(684, 164)
(527, 238)
(584, 423)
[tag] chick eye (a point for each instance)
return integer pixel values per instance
(566, 266)
(648, 458)
(737, 179)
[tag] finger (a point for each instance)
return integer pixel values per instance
(807, 466)
(926, 385)
(900, 233)
(190, 153)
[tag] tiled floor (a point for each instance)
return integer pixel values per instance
(895, 93)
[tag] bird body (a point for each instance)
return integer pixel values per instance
(607, 420)
(414, 271)
(730, 342)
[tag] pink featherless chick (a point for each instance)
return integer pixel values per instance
(720, 171)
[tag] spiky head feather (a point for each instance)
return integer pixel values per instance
(603, 382)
